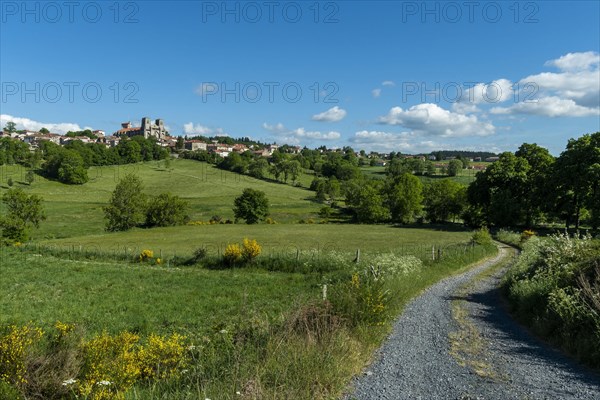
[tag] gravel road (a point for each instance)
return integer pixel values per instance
(456, 341)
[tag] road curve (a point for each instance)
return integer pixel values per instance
(456, 341)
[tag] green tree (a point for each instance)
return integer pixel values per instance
(454, 167)
(364, 199)
(180, 144)
(22, 212)
(71, 169)
(29, 177)
(166, 210)
(252, 205)
(44, 131)
(404, 197)
(444, 199)
(257, 168)
(577, 174)
(10, 127)
(537, 198)
(500, 191)
(127, 206)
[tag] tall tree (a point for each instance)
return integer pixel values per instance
(404, 197)
(577, 174)
(499, 190)
(23, 211)
(127, 206)
(539, 181)
(252, 205)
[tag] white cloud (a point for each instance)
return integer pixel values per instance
(376, 92)
(497, 91)
(293, 136)
(430, 119)
(197, 129)
(387, 141)
(576, 61)
(31, 125)
(549, 107)
(334, 114)
(388, 83)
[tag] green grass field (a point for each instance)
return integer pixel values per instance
(465, 176)
(75, 210)
(275, 239)
(75, 272)
(140, 298)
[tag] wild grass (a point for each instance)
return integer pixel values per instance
(260, 334)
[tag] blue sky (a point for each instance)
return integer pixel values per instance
(389, 75)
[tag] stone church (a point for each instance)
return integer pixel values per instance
(148, 129)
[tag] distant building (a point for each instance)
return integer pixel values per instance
(492, 159)
(194, 145)
(148, 129)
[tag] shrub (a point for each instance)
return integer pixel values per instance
(146, 255)
(162, 357)
(482, 237)
(363, 299)
(166, 210)
(15, 345)
(232, 254)
(526, 235)
(250, 249)
(509, 237)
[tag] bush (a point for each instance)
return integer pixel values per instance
(482, 237)
(232, 254)
(509, 237)
(554, 288)
(250, 249)
(166, 210)
(252, 206)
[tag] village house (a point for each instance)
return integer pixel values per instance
(194, 145)
(492, 159)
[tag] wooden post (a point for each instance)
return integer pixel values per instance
(357, 259)
(324, 292)
(433, 252)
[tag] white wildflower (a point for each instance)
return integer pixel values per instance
(69, 382)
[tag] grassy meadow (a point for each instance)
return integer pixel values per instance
(261, 329)
(76, 210)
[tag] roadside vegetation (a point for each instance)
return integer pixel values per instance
(554, 288)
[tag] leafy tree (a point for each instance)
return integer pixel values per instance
(127, 206)
(364, 199)
(71, 169)
(130, 151)
(252, 205)
(44, 131)
(257, 168)
(444, 199)
(10, 127)
(404, 197)
(180, 144)
(166, 210)
(577, 174)
(454, 167)
(29, 177)
(539, 181)
(10, 181)
(500, 191)
(22, 212)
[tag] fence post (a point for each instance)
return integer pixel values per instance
(439, 256)
(433, 252)
(357, 259)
